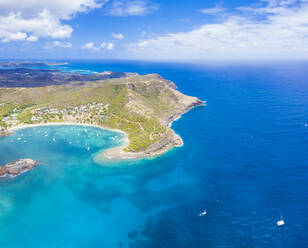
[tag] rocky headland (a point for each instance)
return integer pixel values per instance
(141, 106)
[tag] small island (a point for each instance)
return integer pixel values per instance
(17, 167)
(141, 106)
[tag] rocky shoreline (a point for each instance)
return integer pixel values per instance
(195, 103)
(17, 167)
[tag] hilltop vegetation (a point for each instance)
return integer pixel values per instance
(142, 106)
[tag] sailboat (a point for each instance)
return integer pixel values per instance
(203, 213)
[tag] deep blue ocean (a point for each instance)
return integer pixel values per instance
(245, 161)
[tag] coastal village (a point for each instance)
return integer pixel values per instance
(91, 113)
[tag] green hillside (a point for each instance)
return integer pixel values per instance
(141, 106)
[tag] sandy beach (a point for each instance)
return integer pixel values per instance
(64, 124)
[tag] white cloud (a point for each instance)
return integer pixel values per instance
(107, 45)
(58, 44)
(90, 46)
(104, 45)
(280, 33)
(212, 11)
(118, 36)
(43, 25)
(63, 9)
(32, 38)
(131, 7)
(14, 37)
(40, 18)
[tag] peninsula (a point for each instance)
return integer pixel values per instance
(142, 106)
(18, 167)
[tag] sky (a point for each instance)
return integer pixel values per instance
(154, 30)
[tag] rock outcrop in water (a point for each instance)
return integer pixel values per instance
(4, 132)
(17, 167)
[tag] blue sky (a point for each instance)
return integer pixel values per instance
(194, 30)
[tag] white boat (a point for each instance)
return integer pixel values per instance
(280, 222)
(19, 138)
(203, 213)
(70, 142)
(88, 148)
(54, 139)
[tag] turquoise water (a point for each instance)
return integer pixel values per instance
(85, 204)
(49, 198)
(244, 161)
